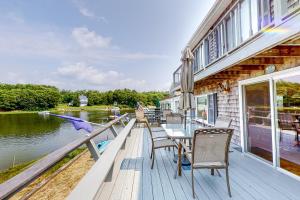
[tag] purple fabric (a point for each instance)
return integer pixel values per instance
(77, 122)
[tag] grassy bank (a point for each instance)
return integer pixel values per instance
(13, 171)
(64, 107)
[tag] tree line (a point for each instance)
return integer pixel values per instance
(42, 97)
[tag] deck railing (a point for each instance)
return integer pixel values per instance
(102, 170)
(15, 184)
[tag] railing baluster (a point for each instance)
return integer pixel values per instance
(92, 147)
(113, 130)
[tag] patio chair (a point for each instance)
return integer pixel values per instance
(297, 128)
(285, 122)
(164, 114)
(157, 143)
(223, 122)
(174, 118)
(210, 150)
(140, 116)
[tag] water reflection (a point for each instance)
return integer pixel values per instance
(30, 136)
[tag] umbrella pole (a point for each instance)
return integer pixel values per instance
(185, 112)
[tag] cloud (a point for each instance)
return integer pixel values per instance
(90, 75)
(89, 14)
(86, 38)
(82, 72)
(15, 17)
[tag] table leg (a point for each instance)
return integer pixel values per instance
(179, 159)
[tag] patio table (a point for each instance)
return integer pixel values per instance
(177, 131)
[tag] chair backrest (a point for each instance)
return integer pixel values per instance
(223, 122)
(139, 114)
(211, 145)
(150, 132)
(166, 112)
(174, 118)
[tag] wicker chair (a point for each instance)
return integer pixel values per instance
(157, 143)
(210, 150)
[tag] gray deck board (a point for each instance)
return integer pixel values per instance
(249, 178)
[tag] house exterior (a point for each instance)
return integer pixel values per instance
(170, 104)
(83, 100)
(247, 68)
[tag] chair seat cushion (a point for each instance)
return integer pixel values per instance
(163, 143)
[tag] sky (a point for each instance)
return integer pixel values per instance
(96, 44)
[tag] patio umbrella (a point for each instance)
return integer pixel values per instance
(187, 101)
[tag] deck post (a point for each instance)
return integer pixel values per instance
(113, 130)
(93, 149)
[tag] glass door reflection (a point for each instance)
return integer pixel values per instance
(258, 120)
(288, 119)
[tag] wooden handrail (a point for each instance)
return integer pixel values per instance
(101, 171)
(19, 181)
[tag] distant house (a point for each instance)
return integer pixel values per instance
(83, 100)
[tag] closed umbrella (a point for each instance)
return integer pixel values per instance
(187, 101)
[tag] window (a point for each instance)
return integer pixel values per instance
(229, 42)
(201, 56)
(202, 107)
(196, 60)
(245, 20)
(207, 107)
(235, 27)
(265, 4)
(206, 52)
(218, 42)
(212, 108)
(254, 17)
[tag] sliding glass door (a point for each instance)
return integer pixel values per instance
(271, 119)
(258, 120)
(288, 119)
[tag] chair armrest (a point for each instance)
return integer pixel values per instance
(160, 137)
(159, 130)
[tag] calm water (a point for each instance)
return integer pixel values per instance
(30, 136)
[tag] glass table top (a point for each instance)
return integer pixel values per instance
(178, 131)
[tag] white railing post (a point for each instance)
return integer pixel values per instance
(113, 130)
(93, 149)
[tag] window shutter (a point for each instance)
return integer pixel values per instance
(212, 108)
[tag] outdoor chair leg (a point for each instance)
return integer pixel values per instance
(212, 172)
(153, 157)
(176, 170)
(227, 180)
(192, 171)
(151, 154)
(218, 172)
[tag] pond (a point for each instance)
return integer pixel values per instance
(29, 136)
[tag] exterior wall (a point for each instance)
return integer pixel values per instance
(228, 103)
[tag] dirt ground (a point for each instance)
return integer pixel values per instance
(61, 185)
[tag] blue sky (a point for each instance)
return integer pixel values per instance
(93, 44)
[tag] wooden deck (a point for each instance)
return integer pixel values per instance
(132, 177)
